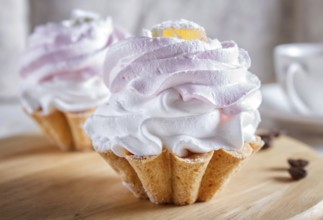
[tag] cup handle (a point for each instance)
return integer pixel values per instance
(293, 70)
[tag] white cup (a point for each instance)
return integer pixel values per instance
(299, 69)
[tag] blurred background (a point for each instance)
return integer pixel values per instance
(256, 25)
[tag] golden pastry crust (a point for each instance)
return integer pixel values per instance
(167, 178)
(65, 129)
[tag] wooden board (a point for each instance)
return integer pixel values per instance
(39, 182)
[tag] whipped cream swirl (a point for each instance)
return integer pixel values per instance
(183, 95)
(63, 62)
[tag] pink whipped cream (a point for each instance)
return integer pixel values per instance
(184, 95)
(63, 61)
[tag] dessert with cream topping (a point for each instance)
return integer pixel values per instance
(182, 115)
(62, 71)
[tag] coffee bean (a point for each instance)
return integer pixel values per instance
(297, 173)
(269, 136)
(267, 142)
(298, 163)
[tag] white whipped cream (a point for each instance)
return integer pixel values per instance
(182, 95)
(66, 96)
(62, 64)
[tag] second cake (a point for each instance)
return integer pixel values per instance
(61, 70)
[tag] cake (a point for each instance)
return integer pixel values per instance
(182, 115)
(62, 75)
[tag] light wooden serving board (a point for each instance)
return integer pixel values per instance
(39, 182)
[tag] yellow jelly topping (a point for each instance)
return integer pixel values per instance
(179, 30)
(185, 34)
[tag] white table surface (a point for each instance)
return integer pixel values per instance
(14, 121)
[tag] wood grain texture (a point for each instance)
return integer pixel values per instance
(39, 182)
